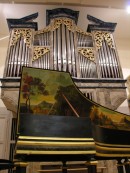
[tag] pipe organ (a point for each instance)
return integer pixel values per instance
(19, 51)
(89, 56)
(63, 46)
(107, 55)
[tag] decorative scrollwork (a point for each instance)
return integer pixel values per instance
(46, 29)
(39, 52)
(56, 24)
(69, 24)
(88, 53)
(77, 29)
(25, 33)
(100, 36)
(108, 39)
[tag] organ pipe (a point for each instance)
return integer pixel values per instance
(60, 43)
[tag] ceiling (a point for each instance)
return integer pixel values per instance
(119, 4)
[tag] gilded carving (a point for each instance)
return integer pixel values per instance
(77, 29)
(67, 22)
(102, 35)
(46, 29)
(88, 53)
(25, 33)
(56, 24)
(39, 52)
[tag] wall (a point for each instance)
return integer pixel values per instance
(5, 133)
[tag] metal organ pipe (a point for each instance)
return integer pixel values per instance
(65, 39)
(68, 55)
(106, 58)
(55, 49)
(8, 72)
(19, 51)
(42, 40)
(108, 62)
(104, 63)
(115, 73)
(16, 58)
(64, 48)
(59, 49)
(112, 74)
(20, 57)
(59, 45)
(116, 64)
(12, 61)
(87, 66)
(102, 70)
(73, 59)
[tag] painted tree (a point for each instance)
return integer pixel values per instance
(32, 86)
(70, 102)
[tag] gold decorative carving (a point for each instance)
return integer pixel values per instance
(102, 35)
(39, 51)
(68, 22)
(88, 53)
(42, 31)
(77, 29)
(25, 33)
(56, 24)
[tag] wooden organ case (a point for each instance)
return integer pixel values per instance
(90, 57)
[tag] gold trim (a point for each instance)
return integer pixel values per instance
(39, 51)
(56, 138)
(59, 163)
(77, 169)
(35, 143)
(60, 169)
(55, 24)
(22, 32)
(112, 149)
(112, 155)
(51, 170)
(21, 164)
(56, 163)
(54, 152)
(79, 30)
(99, 36)
(122, 164)
(112, 145)
(91, 163)
(42, 31)
(87, 53)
